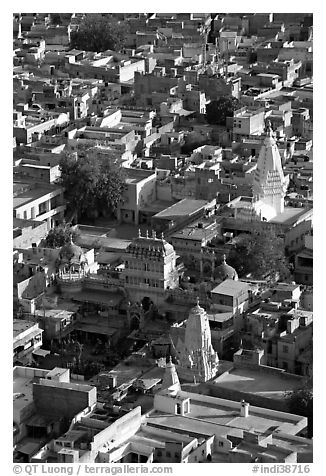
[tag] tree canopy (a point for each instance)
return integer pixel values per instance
(93, 185)
(260, 253)
(98, 33)
(218, 110)
(55, 18)
(300, 402)
(59, 236)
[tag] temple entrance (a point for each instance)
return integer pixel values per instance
(146, 303)
(134, 322)
(135, 316)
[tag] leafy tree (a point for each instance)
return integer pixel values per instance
(55, 18)
(300, 402)
(93, 185)
(218, 110)
(260, 253)
(98, 33)
(59, 236)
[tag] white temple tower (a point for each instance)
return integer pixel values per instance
(197, 359)
(269, 185)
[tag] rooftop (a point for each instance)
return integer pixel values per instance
(134, 176)
(29, 195)
(290, 215)
(211, 415)
(184, 207)
(256, 382)
(20, 326)
(231, 287)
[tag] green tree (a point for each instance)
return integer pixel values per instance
(260, 253)
(59, 236)
(300, 402)
(93, 185)
(218, 110)
(55, 18)
(99, 33)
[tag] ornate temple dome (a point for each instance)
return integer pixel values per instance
(71, 253)
(225, 271)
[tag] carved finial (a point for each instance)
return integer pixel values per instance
(170, 359)
(154, 234)
(269, 129)
(224, 258)
(139, 233)
(146, 233)
(162, 236)
(197, 301)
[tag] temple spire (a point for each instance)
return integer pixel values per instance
(269, 129)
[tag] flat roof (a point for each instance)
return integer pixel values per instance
(54, 313)
(157, 206)
(256, 382)
(231, 287)
(186, 206)
(20, 326)
(194, 232)
(24, 223)
(68, 385)
(30, 195)
(137, 175)
(219, 317)
(286, 286)
(227, 412)
(22, 392)
(290, 215)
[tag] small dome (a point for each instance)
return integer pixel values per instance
(224, 271)
(71, 252)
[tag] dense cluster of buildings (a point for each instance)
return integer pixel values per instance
(136, 341)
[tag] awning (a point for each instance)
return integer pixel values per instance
(41, 352)
(28, 448)
(95, 329)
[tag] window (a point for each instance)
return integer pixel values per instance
(168, 454)
(159, 453)
(285, 349)
(220, 443)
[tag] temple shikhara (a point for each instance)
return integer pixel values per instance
(162, 238)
